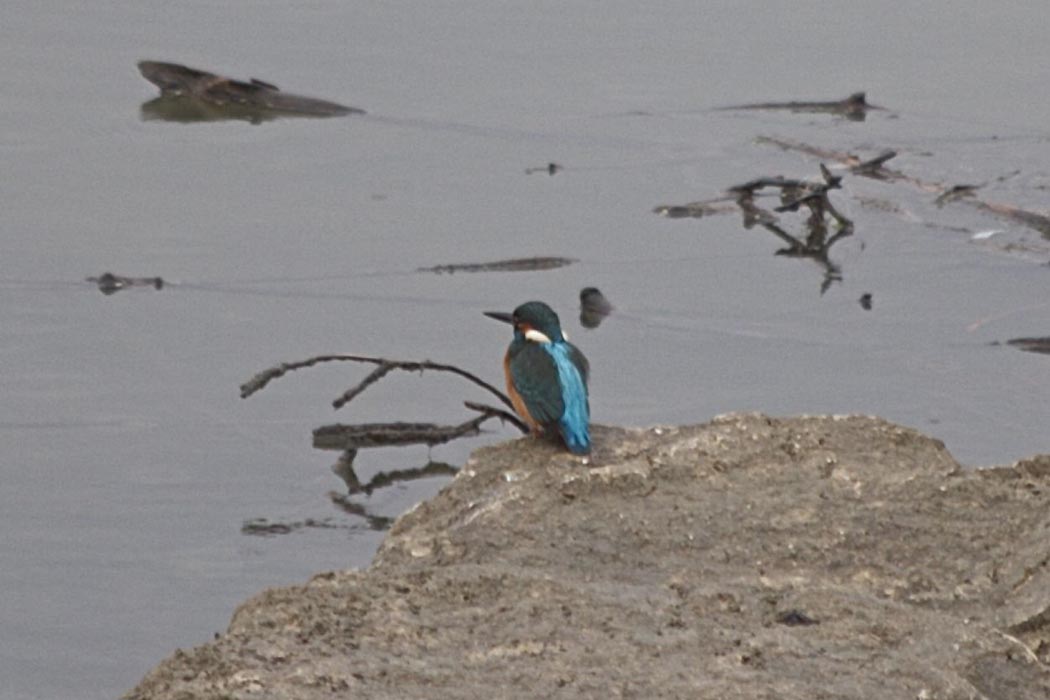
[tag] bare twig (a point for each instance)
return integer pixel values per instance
(260, 380)
(376, 374)
(494, 412)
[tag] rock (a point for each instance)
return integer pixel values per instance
(751, 557)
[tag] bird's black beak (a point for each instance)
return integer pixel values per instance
(500, 316)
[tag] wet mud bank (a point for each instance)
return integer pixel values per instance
(749, 557)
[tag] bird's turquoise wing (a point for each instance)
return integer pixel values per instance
(577, 358)
(535, 377)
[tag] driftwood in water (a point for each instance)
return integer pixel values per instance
(1039, 345)
(793, 195)
(363, 435)
(855, 107)
(944, 192)
(189, 94)
(511, 265)
(697, 210)
(108, 283)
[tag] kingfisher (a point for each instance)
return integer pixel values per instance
(547, 375)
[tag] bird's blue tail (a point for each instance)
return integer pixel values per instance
(574, 424)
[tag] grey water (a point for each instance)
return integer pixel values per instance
(129, 462)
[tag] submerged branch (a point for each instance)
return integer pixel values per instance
(362, 435)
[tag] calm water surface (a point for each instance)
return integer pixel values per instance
(129, 463)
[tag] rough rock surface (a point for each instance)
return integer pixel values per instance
(751, 557)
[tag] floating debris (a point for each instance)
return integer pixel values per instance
(511, 265)
(695, 210)
(794, 195)
(865, 301)
(549, 168)
(1039, 345)
(873, 167)
(956, 192)
(945, 193)
(262, 527)
(108, 283)
(855, 107)
(594, 307)
(189, 94)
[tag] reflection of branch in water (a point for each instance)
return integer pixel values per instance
(344, 469)
(263, 527)
(375, 522)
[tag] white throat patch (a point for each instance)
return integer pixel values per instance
(536, 336)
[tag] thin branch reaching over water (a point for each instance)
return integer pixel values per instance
(260, 380)
(351, 438)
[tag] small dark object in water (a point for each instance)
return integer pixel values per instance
(694, 210)
(594, 307)
(218, 97)
(873, 167)
(108, 283)
(1040, 345)
(865, 301)
(795, 618)
(511, 265)
(549, 168)
(955, 192)
(263, 527)
(855, 107)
